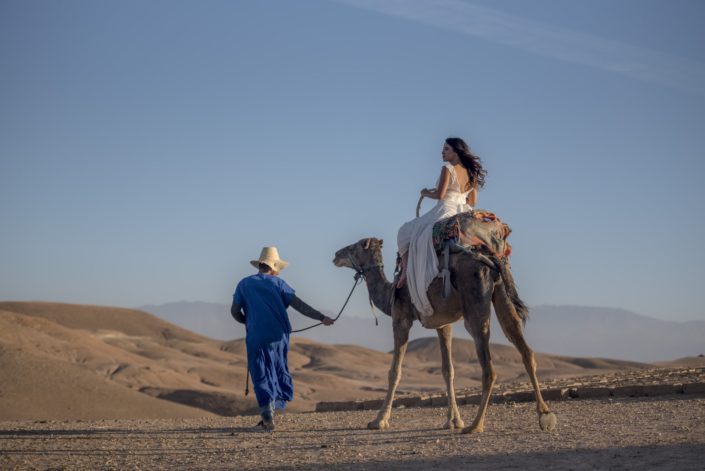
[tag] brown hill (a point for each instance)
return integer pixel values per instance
(95, 318)
(37, 387)
(425, 353)
(685, 362)
(147, 364)
(428, 350)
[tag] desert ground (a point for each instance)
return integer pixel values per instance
(626, 433)
(90, 387)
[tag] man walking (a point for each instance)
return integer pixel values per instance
(264, 298)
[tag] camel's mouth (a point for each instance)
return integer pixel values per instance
(338, 262)
(341, 261)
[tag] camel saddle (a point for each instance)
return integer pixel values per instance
(472, 232)
(477, 228)
(477, 232)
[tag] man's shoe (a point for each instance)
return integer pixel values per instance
(268, 425)
(264, 426)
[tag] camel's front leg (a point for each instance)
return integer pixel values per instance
(445, 337)
(401, 329)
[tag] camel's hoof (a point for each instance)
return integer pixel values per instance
(548, 421)
(473, 429)
(378, 425)
(454, 424)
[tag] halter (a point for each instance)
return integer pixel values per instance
(360, 272)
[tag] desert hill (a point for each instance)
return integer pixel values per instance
(75, 361)
(503, 356)
(39, 387)
(95, 318)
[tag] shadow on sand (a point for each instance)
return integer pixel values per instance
(679, 456)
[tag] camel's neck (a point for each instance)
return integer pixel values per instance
(380, 289)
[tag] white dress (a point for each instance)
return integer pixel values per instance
(416, 237)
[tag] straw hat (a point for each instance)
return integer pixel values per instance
(270, 257)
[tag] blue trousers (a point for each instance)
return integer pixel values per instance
(269, 371)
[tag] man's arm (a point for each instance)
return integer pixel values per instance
(235, 311)
(308, 311)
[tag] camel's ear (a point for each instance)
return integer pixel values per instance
(381, 241)
(367, 244)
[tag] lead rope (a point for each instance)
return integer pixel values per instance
(372, 308)
(358, 276)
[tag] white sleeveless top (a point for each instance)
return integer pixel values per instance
(454, 194)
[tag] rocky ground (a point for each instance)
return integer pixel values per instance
(630, 383)
(666, 432)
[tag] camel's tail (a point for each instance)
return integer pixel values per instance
(511, 289)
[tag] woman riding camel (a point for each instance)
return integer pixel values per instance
(456, 191)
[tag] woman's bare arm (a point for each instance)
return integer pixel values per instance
(440, 192)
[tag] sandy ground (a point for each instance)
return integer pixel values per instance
(622, 433)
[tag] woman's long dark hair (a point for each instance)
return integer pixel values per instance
(471, 162)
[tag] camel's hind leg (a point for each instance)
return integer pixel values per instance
(479, 328)
(401, 327)
(476, 299)
(445, 337)
(513, 329)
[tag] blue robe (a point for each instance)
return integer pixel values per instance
(264, 299)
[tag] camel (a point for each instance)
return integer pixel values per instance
(476, 286)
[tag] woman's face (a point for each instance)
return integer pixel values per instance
(448, 153)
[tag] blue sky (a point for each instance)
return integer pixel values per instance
(148, 150)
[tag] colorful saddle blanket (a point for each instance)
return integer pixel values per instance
(475, 228)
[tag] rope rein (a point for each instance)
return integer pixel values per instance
(358, 277)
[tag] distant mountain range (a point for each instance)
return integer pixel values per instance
(564, 330)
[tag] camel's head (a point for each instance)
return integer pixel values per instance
(360, 255)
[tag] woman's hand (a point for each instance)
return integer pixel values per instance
(440, 192)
